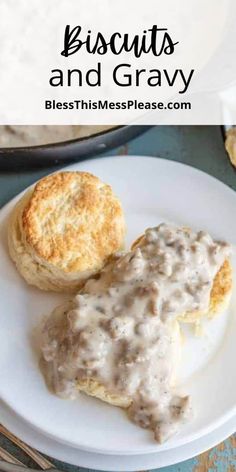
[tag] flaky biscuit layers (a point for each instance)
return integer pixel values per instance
(64, 229)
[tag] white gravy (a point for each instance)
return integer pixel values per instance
(122, 331)
(23, 136)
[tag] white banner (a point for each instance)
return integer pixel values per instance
(117, 62)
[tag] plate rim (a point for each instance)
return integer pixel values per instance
(89, 459)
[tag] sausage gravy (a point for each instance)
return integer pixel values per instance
(121, 330)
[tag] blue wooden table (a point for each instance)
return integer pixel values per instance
(201, 147)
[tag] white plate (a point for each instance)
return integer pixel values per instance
(151, 190)
(126, 463)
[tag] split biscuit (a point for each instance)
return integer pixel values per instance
(220, 292)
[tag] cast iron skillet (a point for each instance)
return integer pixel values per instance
(67, 151)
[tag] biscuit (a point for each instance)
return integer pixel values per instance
(89, 385)
(220, 293)
(220, 296)
(95, 389)
(64, 229)
(230, 145)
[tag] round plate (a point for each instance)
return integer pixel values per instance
(109, 462)
(151, 190)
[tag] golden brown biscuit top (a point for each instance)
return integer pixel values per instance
(73, 221)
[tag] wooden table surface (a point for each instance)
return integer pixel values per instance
(201, 147)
